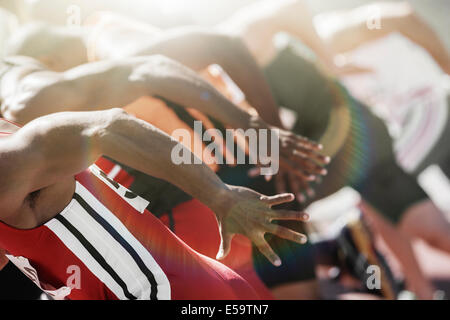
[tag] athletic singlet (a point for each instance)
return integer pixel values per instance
(106, 245)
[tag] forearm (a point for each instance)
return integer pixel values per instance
(108, 84)
(401, 19)
(140, 145)
(235, 58)
(64, 144)
(89, 87)
(198, 49)
(402, 249)
(181, 85)
(296, 19)
(237, 61)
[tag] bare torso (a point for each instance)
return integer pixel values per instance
(26, 211)
(40, 206)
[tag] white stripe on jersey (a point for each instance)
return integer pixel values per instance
(114, 172)
(138, 203)
(72, 243)
(149, 261)
(110, 249)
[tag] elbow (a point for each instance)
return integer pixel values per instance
(116, 121)
(105, 131)
(150, 68)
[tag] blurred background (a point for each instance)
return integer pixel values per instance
(170, 13)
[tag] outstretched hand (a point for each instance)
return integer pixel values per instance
(301, 156)
(300, 162)
(250, 213)
(285, 180)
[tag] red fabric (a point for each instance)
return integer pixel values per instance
(191, 275)
(123, 177)
(51, 259)
(196, 225)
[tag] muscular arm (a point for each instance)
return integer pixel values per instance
(352, 31)
(63, 144)
(197, 49)
(294, 17)
(234, 57)
(108, 84)
(400, 17)
(257, 24)
(192, 47)
(231, 54)
(58, 146)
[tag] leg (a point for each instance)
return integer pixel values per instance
(391, 192)
(400, 245)
(427, 222)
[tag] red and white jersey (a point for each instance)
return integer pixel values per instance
(115, 172)
(106, 245)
